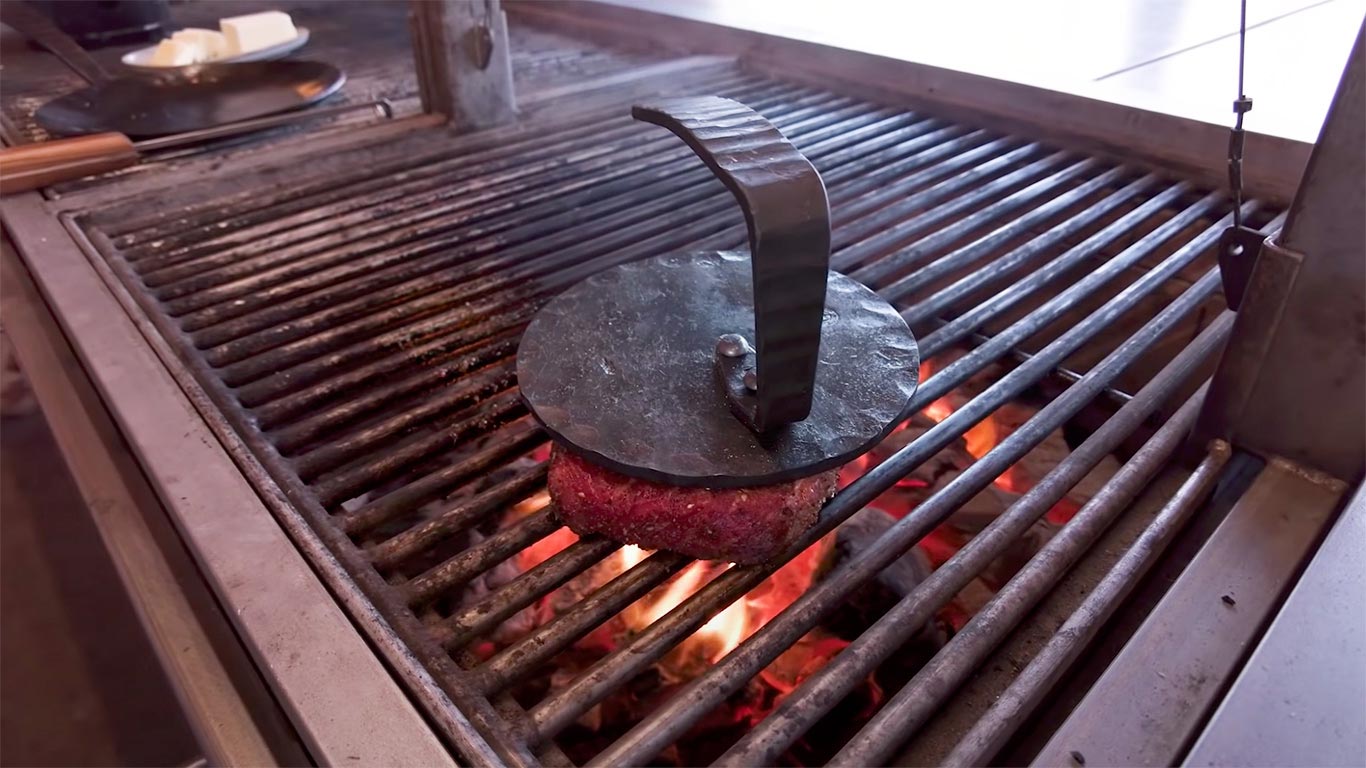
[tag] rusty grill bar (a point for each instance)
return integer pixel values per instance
(356, 331)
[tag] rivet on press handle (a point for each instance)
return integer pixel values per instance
(788, 217)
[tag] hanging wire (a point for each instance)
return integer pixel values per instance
(1241, 106)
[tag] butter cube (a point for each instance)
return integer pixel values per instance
(174, 53)
(210, 42)
(255, 31)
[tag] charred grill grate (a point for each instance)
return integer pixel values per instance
(356, 332)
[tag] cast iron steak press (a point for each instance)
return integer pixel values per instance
(724, 369)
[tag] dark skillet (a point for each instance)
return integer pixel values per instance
(190, 99)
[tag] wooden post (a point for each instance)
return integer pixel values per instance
(464, 62)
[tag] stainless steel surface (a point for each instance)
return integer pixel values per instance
(281, 611)
(1298, 700)
(227, 721)
(981, 743)
(1312, 324)
(1151, 701)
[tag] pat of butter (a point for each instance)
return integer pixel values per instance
(210, 42)
(174, 53)
(256, 31)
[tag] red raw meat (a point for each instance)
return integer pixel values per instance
(739, 525)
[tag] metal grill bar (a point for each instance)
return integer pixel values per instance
(522, 438)
(999, 344)
(333, 495)
(570, 177)
(959, 259)
(369, 473)
(295, 354)
(261, 331)
(275, 413)
(703, 202)
(289, 439)
(460, 517)
(911, 255)
(826, 688)
(420, 257)
(920, 211)
(458, 570)
(317, 201)
(990, 732)
(177, 226)
(482, 386)
(292, 310)
(379, 212)
(299, 216)
(904, 713)
(350, 479)
(672, 718)
(521, 659)
(955, 330)
(247, 277)
(1002, 267)
(472, 622)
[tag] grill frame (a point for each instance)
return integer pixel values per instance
(654, 571)
(206, 412)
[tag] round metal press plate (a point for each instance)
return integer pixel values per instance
(619, 369)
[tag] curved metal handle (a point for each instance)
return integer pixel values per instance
(788, 216)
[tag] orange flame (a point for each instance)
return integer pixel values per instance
(979, 439)
(733, 625)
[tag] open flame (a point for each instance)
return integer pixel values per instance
(979, 439)
(727, 629)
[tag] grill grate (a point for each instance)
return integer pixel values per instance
(356, 331)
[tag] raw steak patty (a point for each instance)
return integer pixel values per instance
(739, 525)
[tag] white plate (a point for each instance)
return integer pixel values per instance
(142, 57)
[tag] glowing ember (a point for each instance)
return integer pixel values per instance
(727, 629)
(980, 438)
(546, 548)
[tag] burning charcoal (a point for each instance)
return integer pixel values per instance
(1020, 551)
(480, 587)
(560, 680)
(969, 600)
(870, 601)
(981, 510)
(953, 456)
(1096, 479)
(604, 638)
(803, 659)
